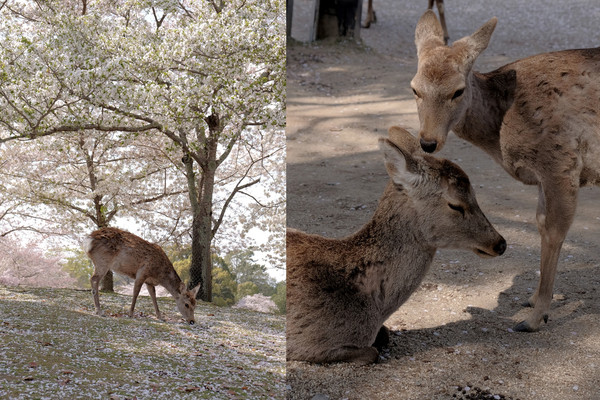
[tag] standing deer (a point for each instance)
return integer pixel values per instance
(537, 117)
(341, 291)
(371, 17)
(129, 255)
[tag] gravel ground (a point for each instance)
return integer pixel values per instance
(452, 339)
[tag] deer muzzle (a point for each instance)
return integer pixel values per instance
(428, 146)
(496, 250)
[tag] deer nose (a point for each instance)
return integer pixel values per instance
(500, 247)
(428, 146)
(192, 322)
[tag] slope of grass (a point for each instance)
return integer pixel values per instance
(52, 345)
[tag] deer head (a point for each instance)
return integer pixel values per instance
(441, 85)
(442, 198)
(186, 302)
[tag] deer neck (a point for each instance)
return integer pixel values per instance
(491, 96)
(386, 262)
(173, 284)
(380, 240)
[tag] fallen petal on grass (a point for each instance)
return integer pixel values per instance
(80, 355)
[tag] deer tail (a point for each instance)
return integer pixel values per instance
(87, 244)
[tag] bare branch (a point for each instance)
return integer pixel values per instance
(275, 205)
(237, 189)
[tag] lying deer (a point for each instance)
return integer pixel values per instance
(341, 291)
(371, 17)
(129, 255)
(537, 117)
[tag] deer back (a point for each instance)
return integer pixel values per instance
(126, 253)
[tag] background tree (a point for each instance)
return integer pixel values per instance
(26, 264)
(280, 297)
(79, 267)
(225, 287)
(245, 269)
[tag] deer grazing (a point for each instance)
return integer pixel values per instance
(127, 254)
(538, 117)
(371, 17)
(341, 291)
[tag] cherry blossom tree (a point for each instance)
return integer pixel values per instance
(208, 75)
(71, 182)
(26, 264)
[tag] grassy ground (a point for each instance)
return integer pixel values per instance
(52, 345)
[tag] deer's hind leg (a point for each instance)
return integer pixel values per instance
(356, 355)
(371, 17)
(440, 7)
(556, 208)
(99, 272)
(382, 339)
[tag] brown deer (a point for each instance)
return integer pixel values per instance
(371, 17)
(341, 291)
(537, 117)
(127, 254)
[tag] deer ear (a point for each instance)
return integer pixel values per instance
(404, 140)
(428, 33)
(400, 165)
(478, 41)
(195, 290)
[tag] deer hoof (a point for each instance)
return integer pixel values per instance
(545, 318)
(524, 326)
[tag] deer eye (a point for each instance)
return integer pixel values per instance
(187, 305)
(457, 208)
(458, 93)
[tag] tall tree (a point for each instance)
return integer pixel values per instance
(209, 75)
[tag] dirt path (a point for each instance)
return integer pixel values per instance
(455, 331)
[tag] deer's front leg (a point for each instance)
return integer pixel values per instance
(556, 207)
(152, 292)
(137, 286)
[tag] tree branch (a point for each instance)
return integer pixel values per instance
(83, 127)
(238, 188)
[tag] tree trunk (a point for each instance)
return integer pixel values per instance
(201, 198)
(201, 265)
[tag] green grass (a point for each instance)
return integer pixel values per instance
(52, 345)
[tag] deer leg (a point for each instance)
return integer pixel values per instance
(95, 282)
(152, 292)
(137, 286)
(357, 355)
(440, 7)
(383, 338)
(556, 209)
(370, 15)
